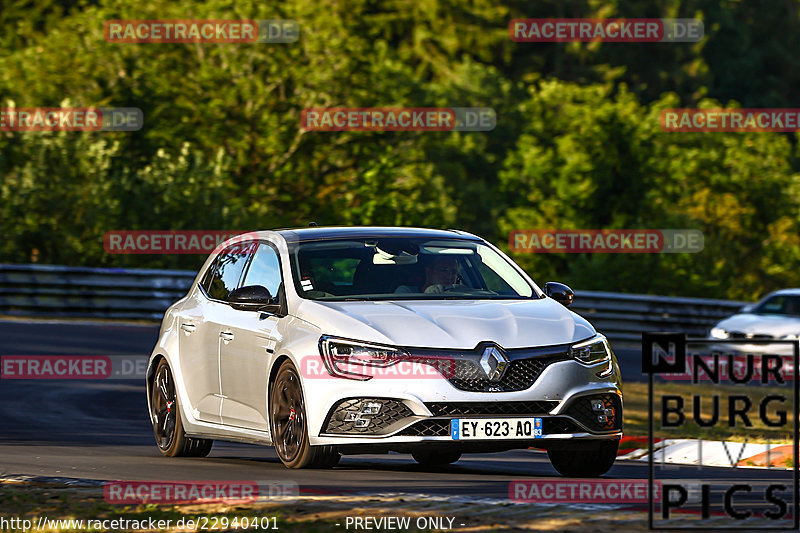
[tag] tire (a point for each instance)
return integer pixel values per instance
(435, 457)
(165, 416)
(289, 426)
(585, 463)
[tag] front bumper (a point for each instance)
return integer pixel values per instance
(421, 410)
(589, 415)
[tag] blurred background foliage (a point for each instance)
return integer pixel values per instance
(577, 142)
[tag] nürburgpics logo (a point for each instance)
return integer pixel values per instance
(731, 395)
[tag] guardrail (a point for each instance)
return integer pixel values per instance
(119, 293)
(80, 292)
(623, 317)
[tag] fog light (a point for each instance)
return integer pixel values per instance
(362, 422)
(602, 419)
(597, 405)
(350, 416)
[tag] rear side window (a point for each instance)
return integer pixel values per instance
(230, 265)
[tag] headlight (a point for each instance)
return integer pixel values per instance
(592, 351)
(344, 358)
(719, 333)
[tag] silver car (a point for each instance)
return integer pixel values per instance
(775, 317)
(331, 341)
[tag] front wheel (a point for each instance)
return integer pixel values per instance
(167, 425)
(585, 463)
(289, 427)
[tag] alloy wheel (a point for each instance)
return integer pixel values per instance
(164, 407)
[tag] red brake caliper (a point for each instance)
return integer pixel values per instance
(292, 414)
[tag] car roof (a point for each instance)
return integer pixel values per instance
(321, 233)
(794, 291)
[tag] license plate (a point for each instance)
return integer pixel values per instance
(495, 428)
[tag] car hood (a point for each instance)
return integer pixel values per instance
(776, 325)
(449, 323)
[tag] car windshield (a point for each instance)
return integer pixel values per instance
(781, 304)
(404, 268)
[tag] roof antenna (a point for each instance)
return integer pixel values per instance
(312, 224)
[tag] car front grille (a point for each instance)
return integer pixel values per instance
(492, 408)
(352, 416)
(521, 375)
(751, 336)
(581, 409)
(427, 428)
(558, 425)
(462, 368)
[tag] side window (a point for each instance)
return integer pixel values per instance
(265, 270)
(773, 305)
(208, 276)
(229, 269)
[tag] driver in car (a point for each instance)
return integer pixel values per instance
(441, 273)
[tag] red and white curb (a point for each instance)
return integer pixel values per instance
(709, 453)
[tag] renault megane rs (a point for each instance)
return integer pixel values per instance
(329, 341)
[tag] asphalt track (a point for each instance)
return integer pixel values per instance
(100, 430)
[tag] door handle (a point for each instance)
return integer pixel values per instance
(188, 328)
(226, 336)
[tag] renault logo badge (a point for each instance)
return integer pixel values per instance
(494, 363)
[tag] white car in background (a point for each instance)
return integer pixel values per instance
(331, 341)
(775, 317)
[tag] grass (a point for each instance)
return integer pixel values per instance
(320, 513)
(31, 501)
(59, 502)
(635, 412)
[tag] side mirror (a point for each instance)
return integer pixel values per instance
(559, 292)
(253, 298)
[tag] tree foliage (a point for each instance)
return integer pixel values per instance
(577, 142)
